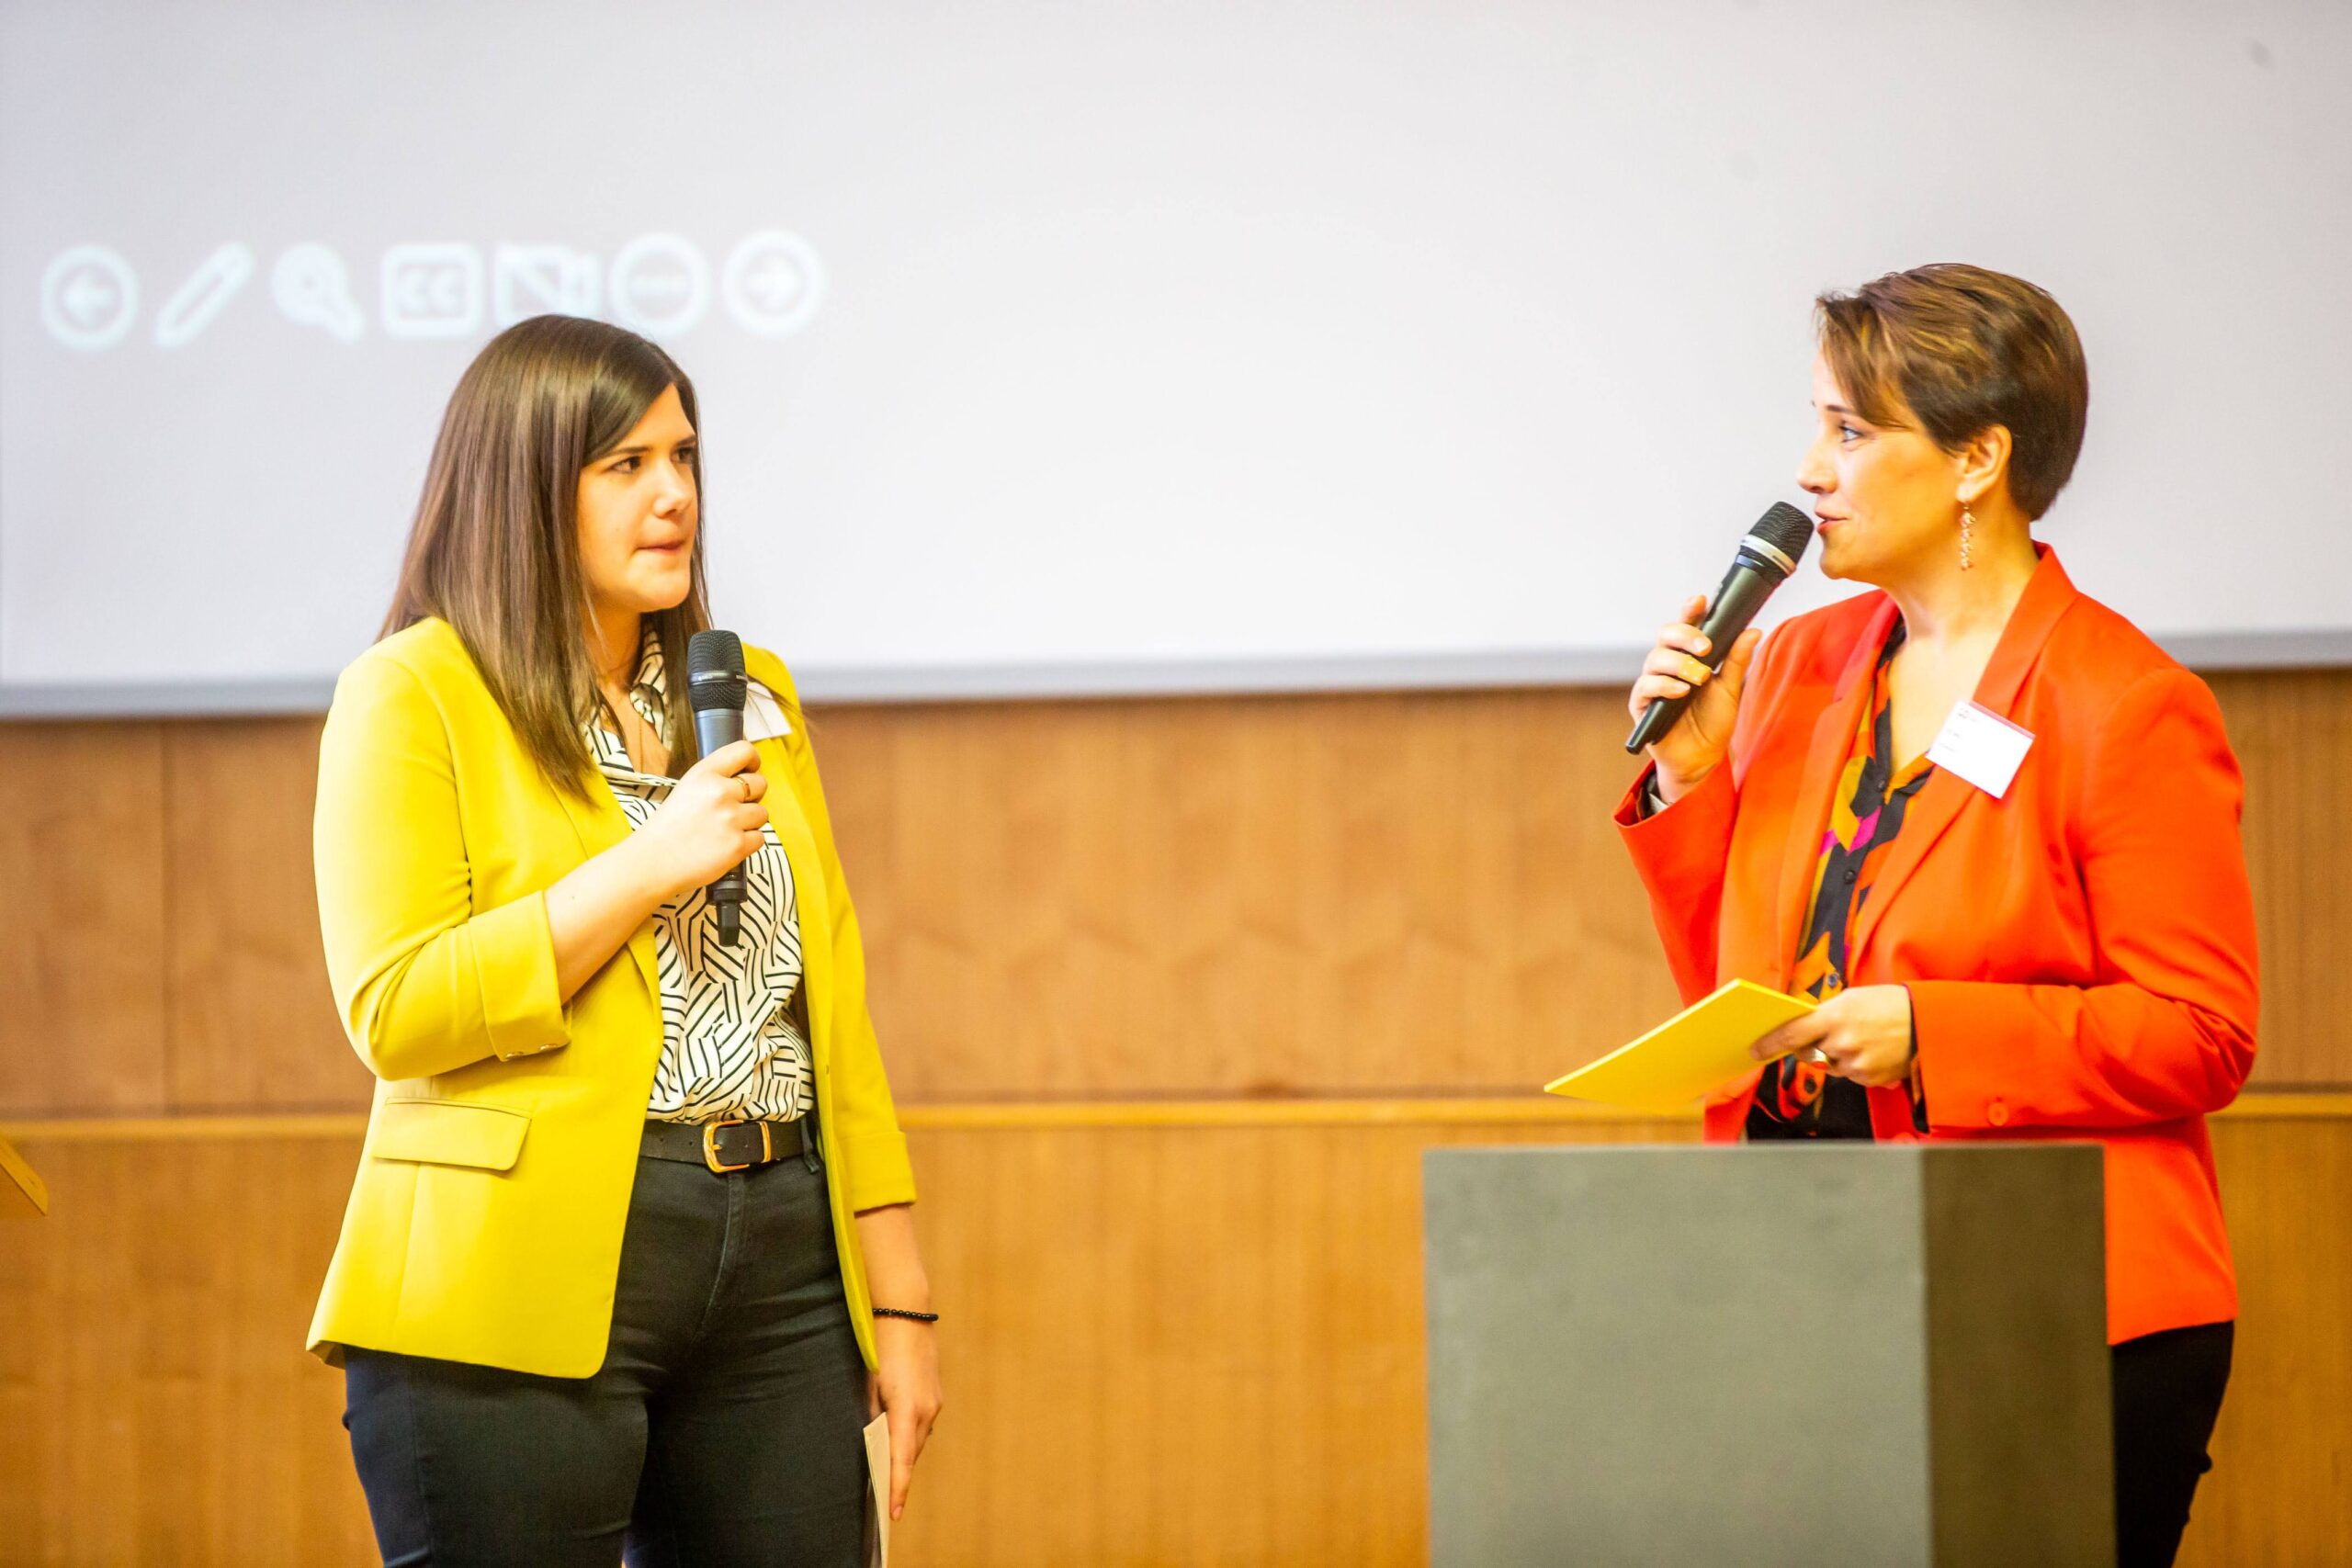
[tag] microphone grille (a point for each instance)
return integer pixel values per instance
(715, 671)
(1786, 529)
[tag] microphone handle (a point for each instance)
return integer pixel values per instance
(1741, 593)
(718, 728)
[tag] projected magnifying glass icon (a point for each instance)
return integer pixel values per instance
(312, 289)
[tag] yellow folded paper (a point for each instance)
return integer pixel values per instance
(1698, 1050)
(21, 1189)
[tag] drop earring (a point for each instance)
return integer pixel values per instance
(1967, 527)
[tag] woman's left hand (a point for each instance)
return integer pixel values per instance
(905, 1385)
(1864, 1034)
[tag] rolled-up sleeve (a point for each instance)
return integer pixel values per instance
(424, 984)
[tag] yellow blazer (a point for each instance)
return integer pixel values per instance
(485, 1220)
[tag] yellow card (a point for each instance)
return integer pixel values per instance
(21, 1188)
(1695, 1052)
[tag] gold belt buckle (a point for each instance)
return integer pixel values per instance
(710, 1144)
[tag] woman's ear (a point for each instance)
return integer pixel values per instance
(1983, 464)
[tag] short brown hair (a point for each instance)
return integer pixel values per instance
(1961, 349)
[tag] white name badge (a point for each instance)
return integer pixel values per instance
(762, 715)
(1981, 746)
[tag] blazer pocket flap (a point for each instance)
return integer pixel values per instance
(447, 1131)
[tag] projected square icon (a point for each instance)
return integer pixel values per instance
(432, 292)
(541, 280)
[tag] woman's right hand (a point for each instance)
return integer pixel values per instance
(1695, 745)
(711, 821)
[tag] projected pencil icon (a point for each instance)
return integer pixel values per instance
(210, 287)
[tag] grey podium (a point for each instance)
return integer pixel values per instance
(1815, 1354)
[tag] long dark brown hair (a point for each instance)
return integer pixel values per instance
(495, 548)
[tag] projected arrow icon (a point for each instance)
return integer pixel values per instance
(773, 283)
(88, 296)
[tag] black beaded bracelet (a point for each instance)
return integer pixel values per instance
(910, 1316)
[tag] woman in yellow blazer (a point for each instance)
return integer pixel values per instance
(613, 1274)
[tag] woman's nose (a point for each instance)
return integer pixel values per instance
(1816, 476)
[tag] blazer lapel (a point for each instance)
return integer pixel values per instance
(1825, 755)
(808, 897)
(1940, 800)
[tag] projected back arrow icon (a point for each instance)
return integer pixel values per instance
(88, 296)
(86, 299)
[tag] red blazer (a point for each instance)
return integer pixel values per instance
(2080, 954)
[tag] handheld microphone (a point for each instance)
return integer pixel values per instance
(715, 687)
(1767, 557)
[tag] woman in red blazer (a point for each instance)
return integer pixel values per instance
(2065, 951)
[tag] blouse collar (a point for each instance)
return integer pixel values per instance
(648, 693)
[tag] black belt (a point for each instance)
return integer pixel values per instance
(733, 1144)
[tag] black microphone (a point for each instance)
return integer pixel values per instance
(1767, 556)
(715, 686)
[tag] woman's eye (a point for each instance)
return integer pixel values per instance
(686, 455)
(626, 466)
(1849, 434)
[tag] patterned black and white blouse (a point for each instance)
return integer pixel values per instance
(731, 1040)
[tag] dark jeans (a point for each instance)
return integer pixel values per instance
(2168, 1390)
(722, 1429)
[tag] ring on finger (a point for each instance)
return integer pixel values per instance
(1813, 1053)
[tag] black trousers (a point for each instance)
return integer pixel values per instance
(2167, 1395)
(722, 1430)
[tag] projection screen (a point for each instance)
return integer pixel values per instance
(1119, 347)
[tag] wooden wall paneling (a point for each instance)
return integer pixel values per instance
(1027, 1440)
(2281, 1491)
(1164, 1345)
(252, 1024)
(82, 995)
(1206, 1349)
(1354, 893)
(1351, 894)
(2292, 732)
(1370, 893)
(156, 1406)
(1204, 1345)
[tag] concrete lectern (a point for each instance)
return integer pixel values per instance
(1803, 1354)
